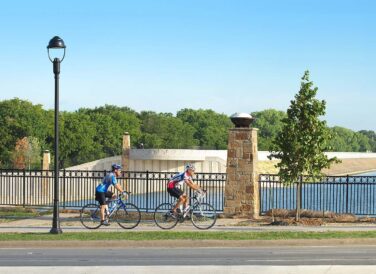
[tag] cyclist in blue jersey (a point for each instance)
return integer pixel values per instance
(179, 179)
(101, 191)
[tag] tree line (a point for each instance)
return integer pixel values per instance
(89, 134)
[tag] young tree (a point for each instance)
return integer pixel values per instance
(304, 138)
(26, 153)
(18, 155)
(33, 154)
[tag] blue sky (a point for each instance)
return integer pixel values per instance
(229, 56)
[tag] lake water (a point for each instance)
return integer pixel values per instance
(357, 195)
(373, 173)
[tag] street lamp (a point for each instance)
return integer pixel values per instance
(56, 43)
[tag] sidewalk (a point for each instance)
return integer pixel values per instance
(69, 223)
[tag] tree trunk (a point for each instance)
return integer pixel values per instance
(298, 199)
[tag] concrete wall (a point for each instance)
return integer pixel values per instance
(173, 160)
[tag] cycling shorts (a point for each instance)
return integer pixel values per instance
(175, 192)
(101, 196)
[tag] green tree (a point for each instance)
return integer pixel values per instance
(363, 142)
(304, 138)
(163, 130)
(211, 128)
(111, 122)
(341, 140)
(77, 145)
(347, 140)
(371, 136)
(19, 119)
(269, 122)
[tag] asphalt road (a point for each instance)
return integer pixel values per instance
(256, 256)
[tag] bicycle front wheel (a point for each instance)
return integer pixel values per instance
(203, 216)
(128, 217)
(164, 218)
(90, 216)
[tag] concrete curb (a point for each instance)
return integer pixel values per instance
(187, 243)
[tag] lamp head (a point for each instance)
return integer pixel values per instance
(56, 43)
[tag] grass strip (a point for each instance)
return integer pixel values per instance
(179, 235)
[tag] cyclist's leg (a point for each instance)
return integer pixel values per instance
(101, 198)
(186, 204)
(185, 200)
(178, 194)
(108, 195)
(179, 202)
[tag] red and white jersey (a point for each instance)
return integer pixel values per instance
(178, 179)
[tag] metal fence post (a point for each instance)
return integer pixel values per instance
(260, 198)
(347, 193)
(24, 189)
(64, 186)
(301, 193)
(147, 190)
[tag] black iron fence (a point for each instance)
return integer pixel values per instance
(339, 194)
(35, 188)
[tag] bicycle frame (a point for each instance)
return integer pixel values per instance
(118, 204)
(127, 215)
(193, 202)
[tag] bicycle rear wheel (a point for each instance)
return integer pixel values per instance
(164, 218)
(203, 216)
(90, 216)
(128, 217)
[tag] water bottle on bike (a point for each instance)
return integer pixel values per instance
(186, 210)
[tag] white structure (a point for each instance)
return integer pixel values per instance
(165, 160)
(173, 160)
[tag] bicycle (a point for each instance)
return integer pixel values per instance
(127, 215)
(202, 215)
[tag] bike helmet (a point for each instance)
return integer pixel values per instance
(190, 166)
(115, 166)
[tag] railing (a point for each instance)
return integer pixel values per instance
(338, 194)
(35, 188)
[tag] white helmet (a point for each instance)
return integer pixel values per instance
(190, 166)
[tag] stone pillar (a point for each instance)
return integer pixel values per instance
(126, 151)
(46, 160)
(242, 190)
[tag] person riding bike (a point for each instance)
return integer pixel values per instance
(178, 180)
(101, 191)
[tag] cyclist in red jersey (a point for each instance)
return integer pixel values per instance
(179, 179)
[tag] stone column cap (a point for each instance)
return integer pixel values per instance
(242, 119)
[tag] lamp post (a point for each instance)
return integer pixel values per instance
(56, 43)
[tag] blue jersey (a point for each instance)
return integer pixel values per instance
(108, 180)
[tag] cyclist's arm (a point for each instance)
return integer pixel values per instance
(116, 184)
(119, 188)
(192, 185)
